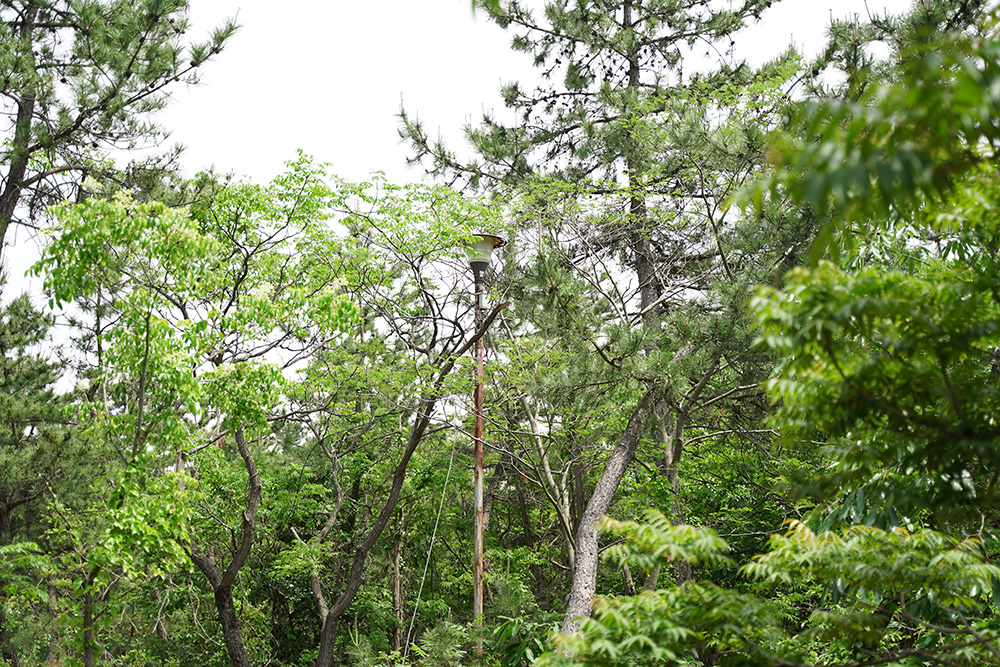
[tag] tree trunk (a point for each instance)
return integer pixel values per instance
(585, 573)
(326, 641)
(280, 621)
(19, 153)
(88, 628)
(231, 633)
(223, 591)
(682, 568)
(398, 603)
(557, 495)
(528, 537)
(222, 583)
(652, 579)
(673, 448)
(492, 489)
(584, 585)
(627, 582)
(578, 486)
(328, 634)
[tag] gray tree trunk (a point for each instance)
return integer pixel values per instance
(584, 585)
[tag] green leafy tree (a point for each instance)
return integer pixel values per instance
(875, 597)
(202, 303)
(892, 362)
(234, 338)
(29, 411)
(374, 399)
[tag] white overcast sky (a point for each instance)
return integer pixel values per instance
(329, 77)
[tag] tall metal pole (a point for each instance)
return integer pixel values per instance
(479, 258)
(478, 269)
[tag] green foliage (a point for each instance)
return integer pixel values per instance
(892, 594)
(291, 334)
(864, 164)
(656, 539)
(892, 364)
(668, 626)
(234, 341)
(361, 653)
(23, 565)
(147, 525)
(30, 411)
(510, 588)
(442, 645)
(521, 640)
(629, 274)
(926, 573)
(606, 75)
(896, 369)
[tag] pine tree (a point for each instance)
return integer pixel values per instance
(644, 148)
(28, 407)
(30, 458)
(81, 78)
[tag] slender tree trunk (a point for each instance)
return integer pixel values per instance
(231, 633)
(280, 621)
(222, 582)
(398, 603)
(584, 585)
(673, 447)
(492, 489)
(88, 628)
(627, 582)
(328, 634)
(672, 451)
(682, 568)
(578, 487)
(652, 579)
(528, 536)
(19, 153)
(326, 640)
(354, 496)
(557, 495)
(226, 608)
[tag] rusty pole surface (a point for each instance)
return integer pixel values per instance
(477, 565)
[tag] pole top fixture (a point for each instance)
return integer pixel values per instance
(482, 248)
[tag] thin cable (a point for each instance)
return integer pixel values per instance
(427, 562)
